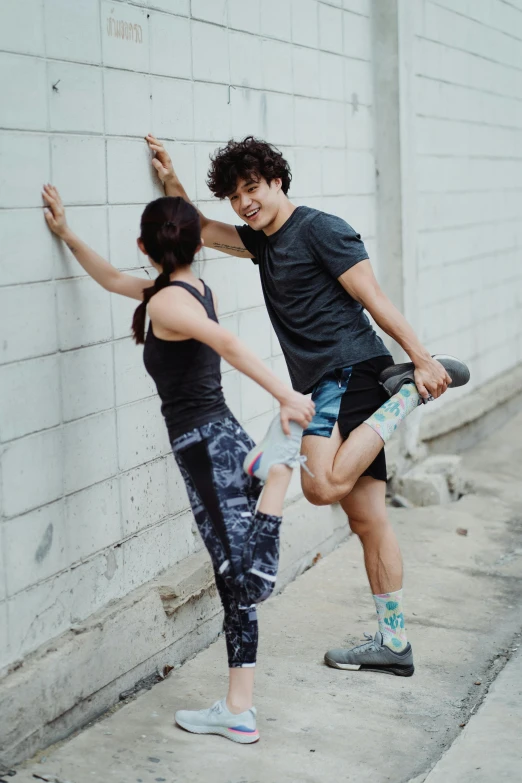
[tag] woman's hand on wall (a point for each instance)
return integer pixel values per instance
(54, 212)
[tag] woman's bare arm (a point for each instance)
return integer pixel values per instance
(192, 324)
(97, 267)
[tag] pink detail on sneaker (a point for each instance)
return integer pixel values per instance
(245, 732)
(253, 465)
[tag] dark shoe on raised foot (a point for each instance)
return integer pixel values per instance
(392, 378)
(372, 656)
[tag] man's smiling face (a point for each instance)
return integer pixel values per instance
(256, 202)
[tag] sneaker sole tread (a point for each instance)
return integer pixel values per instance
(397, 670)
(221, 731)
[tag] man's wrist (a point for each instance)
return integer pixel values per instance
(171, 180)
(420, 356)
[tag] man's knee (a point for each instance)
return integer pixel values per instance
(366, 526)
(323, 493)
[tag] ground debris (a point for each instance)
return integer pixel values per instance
(462, 531)
(146, 683)
(398, 501)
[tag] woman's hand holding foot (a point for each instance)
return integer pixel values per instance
(296, 407)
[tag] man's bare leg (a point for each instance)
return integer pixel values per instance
(390, 651)
(336, 464)
(366, 510)
(336, 469)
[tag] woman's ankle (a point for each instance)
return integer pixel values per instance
(237, 707)
(280, 470)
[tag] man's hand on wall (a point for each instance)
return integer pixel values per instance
(161, 160)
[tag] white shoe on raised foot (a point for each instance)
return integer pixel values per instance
(276, 448)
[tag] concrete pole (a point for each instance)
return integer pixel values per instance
(395, 154)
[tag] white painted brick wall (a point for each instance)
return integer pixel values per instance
(31, 398)
(468, 105)
(84, 447)
(87, 377)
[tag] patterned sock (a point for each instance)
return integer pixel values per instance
(391, 620)
(387, 418)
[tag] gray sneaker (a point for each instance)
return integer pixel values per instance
(392, 378)
(372, 656)
(219, 720)
(276, 448)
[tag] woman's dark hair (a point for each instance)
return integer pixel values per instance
(171, 233)
(248, 159)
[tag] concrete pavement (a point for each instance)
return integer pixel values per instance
(489, 748)
(464, 611)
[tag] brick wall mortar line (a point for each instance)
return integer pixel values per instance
(477, 21)
(467, 192)
(511, 5)
(463, 226)
(469, 87)
(464, 121)
(470, 54)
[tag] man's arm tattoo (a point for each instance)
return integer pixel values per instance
(72, 247)
(219, 246)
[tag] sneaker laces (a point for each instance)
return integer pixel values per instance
(301, 460)
(366, 646)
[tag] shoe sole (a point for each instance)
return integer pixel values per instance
(251, 461)
(458, 371)
(222, 731)
(396, 669)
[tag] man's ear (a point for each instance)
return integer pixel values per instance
(278, 182)
(141, 246)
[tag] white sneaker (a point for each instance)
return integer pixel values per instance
(276, 448)
(219, 720)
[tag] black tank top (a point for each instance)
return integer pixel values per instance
(187, 374)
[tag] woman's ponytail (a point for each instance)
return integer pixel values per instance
(171, 234)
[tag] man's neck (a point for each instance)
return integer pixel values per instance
(283, 213)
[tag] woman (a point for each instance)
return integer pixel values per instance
(183, 346)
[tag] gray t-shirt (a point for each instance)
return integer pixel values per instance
(319, 325)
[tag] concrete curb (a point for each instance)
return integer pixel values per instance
(460, 424)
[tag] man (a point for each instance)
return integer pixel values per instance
(317, 280)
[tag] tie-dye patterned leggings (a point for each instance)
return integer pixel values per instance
(243, 543)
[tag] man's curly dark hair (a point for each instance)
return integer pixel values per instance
(250, 158)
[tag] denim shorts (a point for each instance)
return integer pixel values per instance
(347, 397)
